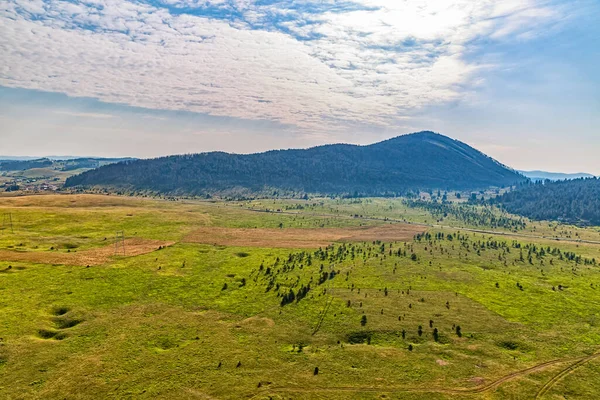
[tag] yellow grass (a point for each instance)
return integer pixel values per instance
(133, 247)
(300, 238)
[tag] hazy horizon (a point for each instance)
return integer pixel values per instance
(68, 156)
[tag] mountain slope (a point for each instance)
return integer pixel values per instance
(423, 160)
(575, 201)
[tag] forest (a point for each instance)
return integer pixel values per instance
(573, 201)
(423, 160)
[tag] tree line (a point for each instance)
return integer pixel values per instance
(574, 201)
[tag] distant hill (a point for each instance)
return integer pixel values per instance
(423, 160)
(575, 201)
(68, 164)
(59, 158)
(41, 174)
(88, 163)
(19, 158)
(554, 176)
(21, 165)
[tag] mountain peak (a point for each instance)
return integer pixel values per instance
(420, 161)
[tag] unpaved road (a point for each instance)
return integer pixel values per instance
(575, 363)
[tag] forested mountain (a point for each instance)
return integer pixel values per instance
(423, 160)
(576, 201)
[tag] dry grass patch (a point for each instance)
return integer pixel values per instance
(133, 247)
(301, 238)
(70, 201)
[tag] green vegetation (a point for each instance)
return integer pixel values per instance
(447, 313)
(574, 201)
(401, 165)
(470, 215)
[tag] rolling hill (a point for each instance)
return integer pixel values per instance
(423, 160)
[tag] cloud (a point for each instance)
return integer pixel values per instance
(316, 65)
(84, 114)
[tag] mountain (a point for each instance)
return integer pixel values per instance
(423, 160)
(574, 201)
(553, 176)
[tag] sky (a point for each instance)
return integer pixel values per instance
(517, 79)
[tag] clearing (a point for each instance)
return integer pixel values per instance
(298, 238)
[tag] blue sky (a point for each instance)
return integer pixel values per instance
(516, 79)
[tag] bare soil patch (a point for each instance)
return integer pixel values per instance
(102, 255)
(260, 321)
(301, 238)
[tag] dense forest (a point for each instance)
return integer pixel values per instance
(574, 201)
(423, 160)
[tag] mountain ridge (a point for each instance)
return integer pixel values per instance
(554, 176)
(421, 160)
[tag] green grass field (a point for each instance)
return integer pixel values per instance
(448, 314)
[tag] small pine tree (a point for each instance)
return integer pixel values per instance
(363, 320)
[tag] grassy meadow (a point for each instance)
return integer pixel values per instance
(445, 307)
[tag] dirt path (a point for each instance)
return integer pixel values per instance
(577, 362)
(571, 368)
(325, 309)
